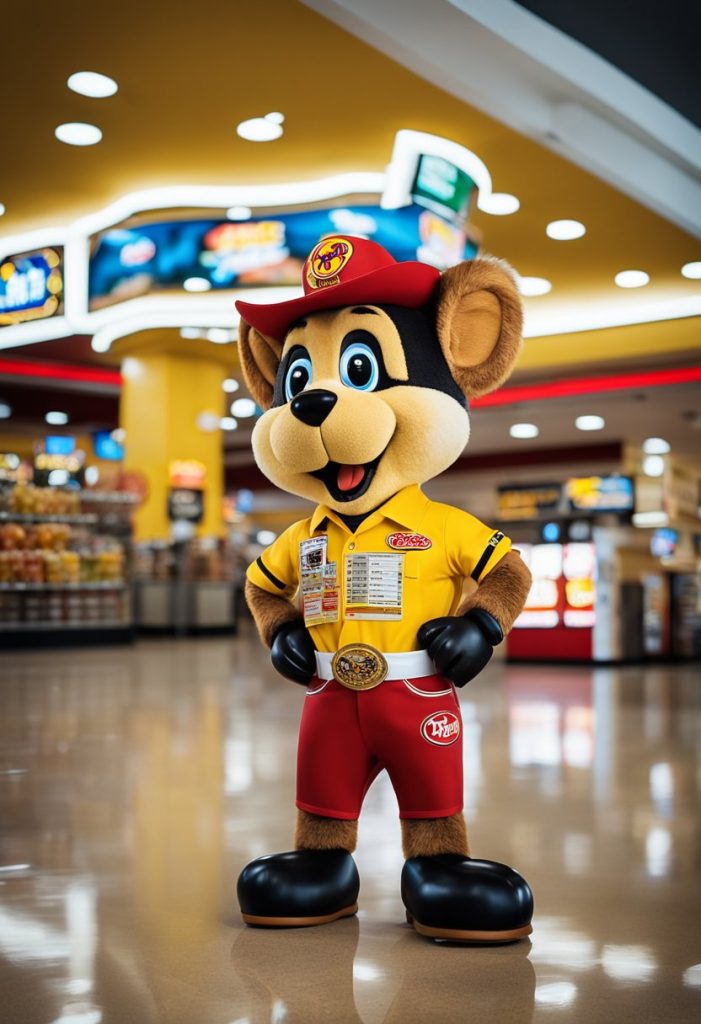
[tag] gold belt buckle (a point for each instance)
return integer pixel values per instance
(359, 667)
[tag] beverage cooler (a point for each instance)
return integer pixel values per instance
(558, 620)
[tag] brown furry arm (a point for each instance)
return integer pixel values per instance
(503, 591)
(269, 611)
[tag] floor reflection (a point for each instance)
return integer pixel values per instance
(135, 784)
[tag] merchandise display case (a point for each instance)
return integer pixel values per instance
(187, 588)
(64, 566)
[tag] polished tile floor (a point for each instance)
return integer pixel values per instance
(135, 784)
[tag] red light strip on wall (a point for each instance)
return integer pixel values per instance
(590, 386)
(56, 371)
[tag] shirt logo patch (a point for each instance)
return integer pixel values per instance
(441, 728)
(408, 541)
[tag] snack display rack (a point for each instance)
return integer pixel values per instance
(64, 567)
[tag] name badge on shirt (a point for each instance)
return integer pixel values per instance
(318, 582)
(373, 586)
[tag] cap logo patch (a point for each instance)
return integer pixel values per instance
(441, 728)
(326, 261)
(408, 541)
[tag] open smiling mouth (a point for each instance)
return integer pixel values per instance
(346, 482)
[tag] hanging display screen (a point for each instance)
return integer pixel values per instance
(131, 261)
(31, 286)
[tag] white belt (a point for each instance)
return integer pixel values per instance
(402, 665)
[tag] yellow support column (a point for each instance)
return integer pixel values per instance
(167, 397)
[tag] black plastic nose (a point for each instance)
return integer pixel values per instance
(312, 407)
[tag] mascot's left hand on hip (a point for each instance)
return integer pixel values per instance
(461, 646)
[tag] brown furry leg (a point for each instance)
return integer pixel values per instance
(316, 833)
(425, 837)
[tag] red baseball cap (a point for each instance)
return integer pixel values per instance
(342, 270)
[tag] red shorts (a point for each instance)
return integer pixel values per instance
(411, 727)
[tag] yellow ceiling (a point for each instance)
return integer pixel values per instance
(189, 73)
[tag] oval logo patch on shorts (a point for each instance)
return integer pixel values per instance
(408, 541)
(441, 728)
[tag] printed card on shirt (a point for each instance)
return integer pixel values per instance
(374, 585)
(318, 582)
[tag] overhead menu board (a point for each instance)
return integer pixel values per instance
(31, 286)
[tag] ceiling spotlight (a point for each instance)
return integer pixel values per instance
(196, 284)
(523, 430)
(653, 465)
(499, 204)
(243, 407)
(230, 385)
(239, 212)
(590, 423)
(57, 419)
(190, 333)
(632, 279)
(656, 446)
(5, 411)
(692, 270)
(77, 133)
(564, 230)
(208, 422)
(228, 423)
(532, 286)
(261, 129)
(90, 83)
(2, 209)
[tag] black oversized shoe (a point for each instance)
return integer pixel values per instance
(304, 887)
(454, 897)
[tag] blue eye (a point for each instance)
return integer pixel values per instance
(359, 367)
(298, 376)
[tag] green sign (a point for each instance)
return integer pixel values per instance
(441, 184)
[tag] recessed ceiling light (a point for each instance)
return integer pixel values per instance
(77, 133)
(239, 212)
(5, 411)
(230, 385)
(243, 407)
(90, 83)
(499, 204)
(590, 423)
(656, 446)
(653, 465)
(208, 421)
(692, 270)
(196, 284)
(523, 430)
(564, 230)
(2, 209)
(57, 419)
(190, 333)
(228, 423)
(632, 279)
(220, 335)
(532, 286)
(261, 129)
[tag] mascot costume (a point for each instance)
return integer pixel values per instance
(365, 382)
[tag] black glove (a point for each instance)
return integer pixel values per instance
(292, 652)
(460, 646)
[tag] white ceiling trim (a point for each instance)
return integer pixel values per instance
(512, 65)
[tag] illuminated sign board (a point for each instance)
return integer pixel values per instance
(156, 256)
(31, 286)
(528, 501)
(442, 186)
(188, 473)
(601, 494)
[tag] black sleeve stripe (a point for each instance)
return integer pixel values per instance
(494, 540)
(266, 572)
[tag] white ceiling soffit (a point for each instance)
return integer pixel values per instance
(500, 58)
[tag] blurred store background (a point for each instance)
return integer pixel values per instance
(156, 175)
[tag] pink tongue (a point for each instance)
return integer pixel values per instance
(350, 477)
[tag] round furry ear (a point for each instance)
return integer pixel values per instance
(260, 358)
(479, 320)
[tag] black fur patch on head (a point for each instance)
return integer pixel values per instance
(425, 361)
(426, 364)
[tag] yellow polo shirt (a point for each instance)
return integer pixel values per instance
(404, 565)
